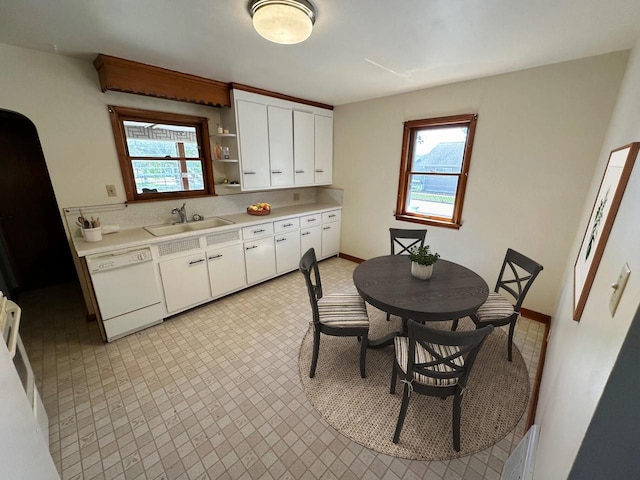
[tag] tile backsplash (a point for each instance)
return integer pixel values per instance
(152, 213)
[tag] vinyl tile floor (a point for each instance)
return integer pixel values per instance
(211, 393)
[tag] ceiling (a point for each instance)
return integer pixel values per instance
(359, 49)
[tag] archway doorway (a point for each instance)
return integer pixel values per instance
(34, 251)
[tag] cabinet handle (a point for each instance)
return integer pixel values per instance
(258, 231)
(332, 215)
(251, 247)
(309, 220)
(306, 233)
(288, 225)
(326, 228)
(299, 171)
(278, 240)
(250, 172)
(276, 171)
(319, 170)
(193, 262)
(213, 257)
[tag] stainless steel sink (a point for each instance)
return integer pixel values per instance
(173, 228)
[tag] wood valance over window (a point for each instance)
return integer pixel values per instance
(126, 76)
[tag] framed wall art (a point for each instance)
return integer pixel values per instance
(605, 207)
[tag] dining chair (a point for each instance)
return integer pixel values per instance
(436, 363)
(338, 314)
(516, 281)
(403, 240)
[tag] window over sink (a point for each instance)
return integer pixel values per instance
(162, 155)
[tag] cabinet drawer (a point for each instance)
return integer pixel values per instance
(257, 231)
(310, 220)
(332, 216)
(286, 225)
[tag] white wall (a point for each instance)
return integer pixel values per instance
(62, 97)
(538, 136)
(581, 355)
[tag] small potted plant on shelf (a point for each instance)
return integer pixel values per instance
(422, 261)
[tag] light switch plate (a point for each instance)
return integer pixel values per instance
(618, 288)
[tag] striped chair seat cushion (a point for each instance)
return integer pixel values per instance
(343, 310)
(495, 308)
(422, 355)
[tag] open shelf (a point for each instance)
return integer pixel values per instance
(223, 135)
(226, 160)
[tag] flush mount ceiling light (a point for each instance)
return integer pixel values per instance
(283, 21)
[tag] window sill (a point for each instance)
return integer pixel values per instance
(427, 221)
(167, 197)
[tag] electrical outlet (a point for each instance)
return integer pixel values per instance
(111, 190)
(296, 196)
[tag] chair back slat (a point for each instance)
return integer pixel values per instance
(309, 267)
(522, 281)
(450, 363)
(403, 240)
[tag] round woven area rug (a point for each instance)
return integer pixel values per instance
(365, 411)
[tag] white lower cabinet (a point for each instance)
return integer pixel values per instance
(287, 251)
(260, 259)
(311, 238)
(330, 239)
(226, 269)
(269, 249)
(185, 281)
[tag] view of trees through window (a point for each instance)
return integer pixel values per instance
(164, 175)
(160, 157)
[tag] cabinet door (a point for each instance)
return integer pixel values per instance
(303, 144)
(226, 269)
(260, 259)
(330, 239)
(287, 251)
(280, 146)
(323, 150)
(185, 281)
(253, 139)
(311, 238)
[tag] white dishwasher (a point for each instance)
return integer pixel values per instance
(127, 291)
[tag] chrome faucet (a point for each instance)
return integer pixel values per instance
(182, 212)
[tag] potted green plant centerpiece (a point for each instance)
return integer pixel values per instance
(422, 261)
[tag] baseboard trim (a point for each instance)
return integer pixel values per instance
(350, 258)
(535, 391)
(537, 316)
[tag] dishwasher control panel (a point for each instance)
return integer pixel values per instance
(100, 263)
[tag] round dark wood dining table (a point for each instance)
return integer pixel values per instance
(452, 292)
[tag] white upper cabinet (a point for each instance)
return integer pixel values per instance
(323, 150)
(280, 145)
(253, 138)
(303, 147)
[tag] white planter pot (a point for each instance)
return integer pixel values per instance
(423, 272)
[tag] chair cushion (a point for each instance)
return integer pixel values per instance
(495, 308)
(343, 310)
(422, 355)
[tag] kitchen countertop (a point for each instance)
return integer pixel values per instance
(138, 237)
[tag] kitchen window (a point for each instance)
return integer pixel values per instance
(434, 169)
(162, 155)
